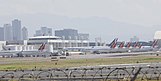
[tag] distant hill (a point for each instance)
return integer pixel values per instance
(95, 26)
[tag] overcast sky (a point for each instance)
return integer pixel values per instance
(140, 12)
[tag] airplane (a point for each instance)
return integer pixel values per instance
(12, 53)
(139, 48)
(105, 49)
(113, 48)
(121, 48)
(94, 49)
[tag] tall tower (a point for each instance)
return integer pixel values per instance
(24, 33)
(8, 36)
(16, 28)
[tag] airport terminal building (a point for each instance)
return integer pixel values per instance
(52, 43)
(55, 43)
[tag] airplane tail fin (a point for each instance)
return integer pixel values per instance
(140, 45)
(121, 45)
(154, 43)
(113, 43)
(136, 44)
(42, 47)
(128, 44)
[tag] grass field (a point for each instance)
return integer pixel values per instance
(30, 63)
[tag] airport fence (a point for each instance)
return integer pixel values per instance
(129, 73)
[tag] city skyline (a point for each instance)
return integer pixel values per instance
(13, 31)
(43, 30)
(107, 19)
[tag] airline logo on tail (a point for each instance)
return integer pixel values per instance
(128, 44)
(136, 44)
(113, 43)
(140, 45)
(121, 45)
(42, 47)
(154, 43)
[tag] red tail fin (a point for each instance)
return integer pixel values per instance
(121, 45)
(128, 44)
(136, 44)
(113, 43)
(42, 47)
(140, 45)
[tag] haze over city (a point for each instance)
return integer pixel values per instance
(106, 18)
(80, 40)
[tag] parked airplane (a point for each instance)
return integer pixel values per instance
(120, 49)
(113, 48)
(12, 53)
(139, 48)
(94, 49)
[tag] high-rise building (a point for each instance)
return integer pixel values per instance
(1, 34)
(24, 33)
(8, 34)
(16, 28)
(38, 33)
(67, 34)
(44, 31)
(50, 31)
(83, 36)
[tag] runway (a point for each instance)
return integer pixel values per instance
(114, 55)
